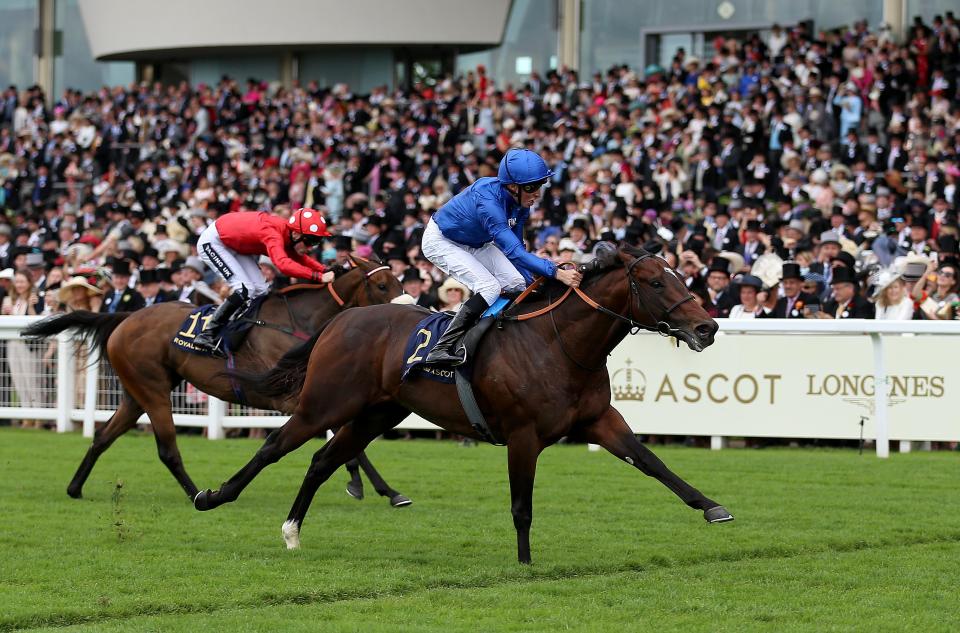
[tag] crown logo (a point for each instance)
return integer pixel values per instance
(628, 383)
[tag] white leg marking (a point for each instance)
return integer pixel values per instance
(291, 534)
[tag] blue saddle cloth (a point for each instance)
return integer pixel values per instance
(232, 335)
(425, 336)
(423, 339)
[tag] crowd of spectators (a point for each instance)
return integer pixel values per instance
(794, 175)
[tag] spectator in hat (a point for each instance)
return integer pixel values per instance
(452, 294)
(375, 229)
(718, 286)
(892, 301)
(123, 298)
(916, 241)
(398, 264)
(192, 288)
(752, 247)
(749, 307)
(725, 235)
(79, 294)
(413, 285)
(846, 302)
(343, 244)
(792, 299)
(149, 288)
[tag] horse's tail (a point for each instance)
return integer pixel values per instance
(286, 378)
(92, 327)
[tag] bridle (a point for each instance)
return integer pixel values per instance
(366, 286)
(661, 327)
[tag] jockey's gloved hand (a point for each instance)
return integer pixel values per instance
(338, 269)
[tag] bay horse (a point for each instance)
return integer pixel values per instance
(535, 381)
(138, 347)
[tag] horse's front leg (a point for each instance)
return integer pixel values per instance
(612, 432)
(522, 452)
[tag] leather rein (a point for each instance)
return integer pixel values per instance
(294, 330)
(662, 327)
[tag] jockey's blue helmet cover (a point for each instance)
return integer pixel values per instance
(522, 166)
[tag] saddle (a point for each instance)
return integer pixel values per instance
(231, 337)
(425, 336)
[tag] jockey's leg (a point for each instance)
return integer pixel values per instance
(469, 313)
(506, 274)
(462, 264)
(243, 274)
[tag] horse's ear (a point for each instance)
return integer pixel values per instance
(354, 261)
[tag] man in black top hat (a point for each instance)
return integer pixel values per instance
(122, 298)
(718, 289)
(413, 286)
(375, 228)
(725, 236)
(150, 288)
(790, 304)
(917, 240)
(847, 302)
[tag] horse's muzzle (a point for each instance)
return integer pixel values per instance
(700, 337)
(706, 331)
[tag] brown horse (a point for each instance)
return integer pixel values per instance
(138, 347)
(535, 381)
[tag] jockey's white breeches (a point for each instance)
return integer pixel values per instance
(239, 271)
(486, 271)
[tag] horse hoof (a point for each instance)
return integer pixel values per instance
(717, 514)
(400, 501)
(355, 490)
(291, 534)
(202, 501)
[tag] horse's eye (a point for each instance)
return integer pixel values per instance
(382, 287)
(657, 285)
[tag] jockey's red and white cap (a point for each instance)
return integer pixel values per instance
(307, 221)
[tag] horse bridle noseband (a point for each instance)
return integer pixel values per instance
(662, 327)
(366, 285)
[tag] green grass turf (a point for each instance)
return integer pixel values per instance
(824, 540)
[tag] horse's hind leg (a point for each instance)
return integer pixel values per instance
(348, 442)
(612, 432)
(397, 500)
(122, 420)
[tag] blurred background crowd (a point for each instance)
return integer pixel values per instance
(797, 175)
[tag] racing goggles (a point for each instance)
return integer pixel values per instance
(531, 187)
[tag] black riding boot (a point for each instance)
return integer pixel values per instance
(208, 337)
(469, 314)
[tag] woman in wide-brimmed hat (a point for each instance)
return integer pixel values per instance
(78, 294)
(452, 293)
(891, 297)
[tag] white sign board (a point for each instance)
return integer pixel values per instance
(787, 385)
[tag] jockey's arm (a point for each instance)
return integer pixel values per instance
(306, 260)
(512, 246)
(290, 267)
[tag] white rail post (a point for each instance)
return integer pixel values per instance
(216, 409)
(65, 381)
(718, 442)
(880, 397)
(91, 380)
